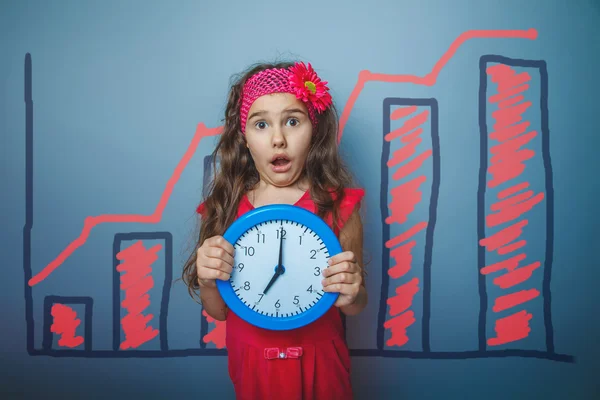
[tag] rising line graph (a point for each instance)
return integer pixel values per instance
(202, 131)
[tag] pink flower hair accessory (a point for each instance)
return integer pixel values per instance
(299, 80)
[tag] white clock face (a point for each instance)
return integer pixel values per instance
(295, 290)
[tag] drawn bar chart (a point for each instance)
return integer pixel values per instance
(513, 264)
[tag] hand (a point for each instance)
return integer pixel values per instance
(214, 260)
(343, 276)
(279, 270)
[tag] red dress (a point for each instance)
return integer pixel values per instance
(308, 363)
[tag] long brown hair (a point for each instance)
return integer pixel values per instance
(237, 173)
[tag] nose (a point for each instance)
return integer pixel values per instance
(278, 138)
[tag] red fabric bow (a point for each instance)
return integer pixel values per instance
(272, 353)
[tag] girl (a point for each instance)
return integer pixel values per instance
(279, 145)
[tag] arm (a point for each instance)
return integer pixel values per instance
(212, 302)
(351, 239)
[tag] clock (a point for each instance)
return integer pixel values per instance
(280, 251)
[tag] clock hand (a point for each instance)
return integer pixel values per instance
(279, 266)
(279, 269)
(273, 279)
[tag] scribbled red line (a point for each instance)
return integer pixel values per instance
(404, 152)
(517, 276)
(512, 328)
(509, 102)
(506, 78)
(403, 258)
(512, 190)
(402, 112)
(217, 334)
(510, 115)
(506, 150)
(513, 212)
(406, 235)
(511, 201)
(405, 197)
(508, 132)
(511, 247)
(136, 264)
(410, 136)
(507, 163)
(408, 126)
(514, 299)
(509, 264)
(65, 323)
(509, 93)
(202, 131)
(504, 236)
(398, 326)
(403, 299)
(412, 165)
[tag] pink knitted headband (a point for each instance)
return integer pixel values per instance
(298, 79)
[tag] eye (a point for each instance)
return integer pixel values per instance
(295, 121)
(261, 125)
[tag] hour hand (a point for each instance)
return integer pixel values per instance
(273, 279)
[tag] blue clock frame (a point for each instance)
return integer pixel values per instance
(283, 212)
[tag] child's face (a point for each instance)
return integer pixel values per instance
(278, 123)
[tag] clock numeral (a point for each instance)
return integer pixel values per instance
(259, 237)
(240, 266)
(317, 271)
(246, 285)
(314, 253)
(283, 232)
(277, 304)
(249, 250)
(310, 289)
(296, 300)
(300, 240)
(261, 296)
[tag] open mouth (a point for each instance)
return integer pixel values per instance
(280, 162)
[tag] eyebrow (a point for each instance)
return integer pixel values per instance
(287, 111)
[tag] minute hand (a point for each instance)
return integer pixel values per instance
(279, 269)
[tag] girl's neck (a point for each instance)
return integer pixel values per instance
(264, 193)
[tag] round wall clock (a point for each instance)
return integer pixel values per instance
(280, 253)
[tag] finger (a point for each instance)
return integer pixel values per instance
(342, 277)
(340, 257)
(216, 263)
(219, 253)
(344, 266)
(213, 263)
(213, 274)
(220, 241)
(342, 288)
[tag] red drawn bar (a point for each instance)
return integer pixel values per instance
(406, 196)
(137, 281)
(217, 334)
(65, 323)
(509, 213)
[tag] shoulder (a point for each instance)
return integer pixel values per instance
(350, 203)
